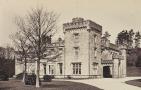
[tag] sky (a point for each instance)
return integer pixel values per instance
(113, 15)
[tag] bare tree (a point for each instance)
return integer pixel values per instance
(38, 27)
(22, 48)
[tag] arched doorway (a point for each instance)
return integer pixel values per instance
(107, 72)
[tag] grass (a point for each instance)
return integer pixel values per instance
(136, 82)
(54, 85)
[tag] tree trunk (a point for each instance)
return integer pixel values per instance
(38, 54)
(25, 68)
(38, 74)
(23, 77)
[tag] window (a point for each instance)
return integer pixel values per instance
(60, 68)
(95, 68)
(51, 71)
(95, 52)
(60, 57)
(44, 65)
(94, 40)
(76, 51)
(95, 65)
(76, 35)
(60, 49)
(76, 68)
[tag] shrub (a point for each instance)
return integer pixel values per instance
(3, 76)
(30, 79)
(69, 77)
(48, 78)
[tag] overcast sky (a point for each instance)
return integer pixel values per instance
(113, 15)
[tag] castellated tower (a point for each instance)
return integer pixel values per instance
(82, 48)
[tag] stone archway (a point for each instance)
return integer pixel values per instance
(106, 72)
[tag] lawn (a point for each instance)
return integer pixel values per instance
(136, 82)
(54, 85)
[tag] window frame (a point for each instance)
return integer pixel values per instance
(76, 67)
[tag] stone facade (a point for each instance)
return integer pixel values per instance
(82, 45)
(84, 53)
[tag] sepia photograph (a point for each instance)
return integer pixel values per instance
(70, 45)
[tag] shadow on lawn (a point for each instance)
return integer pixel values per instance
(53, 86)
(56, 84)
(136, 82)
(68, 85)
(5, 88)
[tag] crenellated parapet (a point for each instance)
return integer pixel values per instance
(115, 56)
(78, 23)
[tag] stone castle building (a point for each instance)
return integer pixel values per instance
(84, 53)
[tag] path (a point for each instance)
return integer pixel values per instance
(110, 83)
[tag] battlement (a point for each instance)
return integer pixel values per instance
(81, 23)
(78, 19)
(120, 57)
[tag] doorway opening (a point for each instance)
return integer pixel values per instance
(107, 72)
